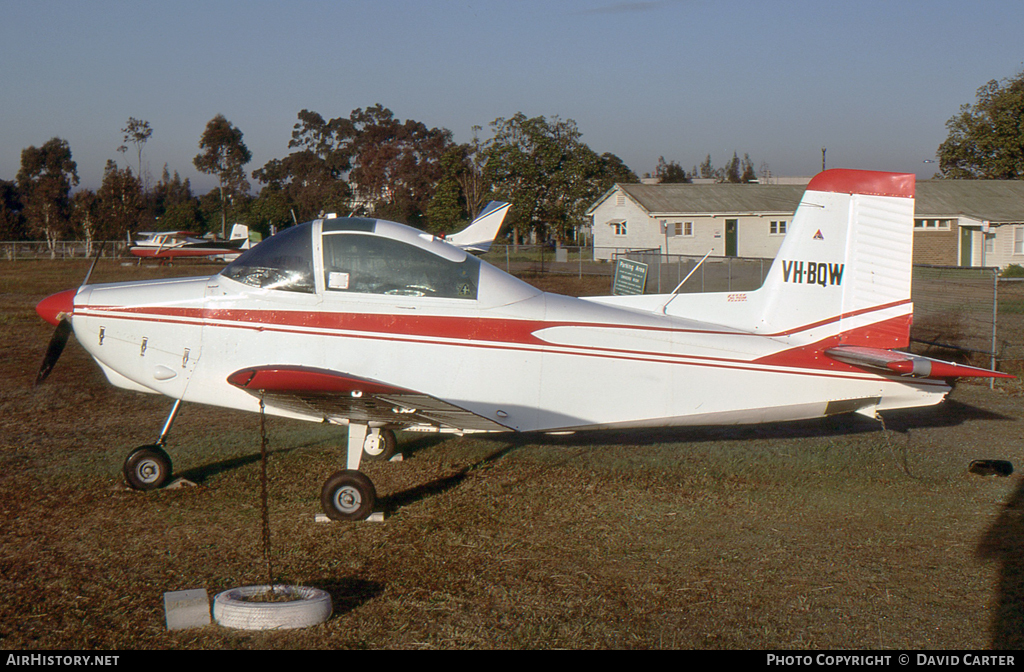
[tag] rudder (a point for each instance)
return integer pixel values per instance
(844, 268)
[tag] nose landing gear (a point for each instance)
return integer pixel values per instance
(149, 467)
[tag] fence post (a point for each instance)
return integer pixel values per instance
(995, 318)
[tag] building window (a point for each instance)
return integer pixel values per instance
(618, 228)
(933, 224)
(683, 229)
(1018, 240)
(777, 228)
(620, 198)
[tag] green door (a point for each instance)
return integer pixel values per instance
(966, 235)
(731, 229)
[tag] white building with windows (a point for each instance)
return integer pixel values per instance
(957, 222)
(729, 220)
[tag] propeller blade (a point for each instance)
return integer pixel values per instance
(57, 343)
(57, 310)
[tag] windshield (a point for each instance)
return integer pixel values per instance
(282, 262)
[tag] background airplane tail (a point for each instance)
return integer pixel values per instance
(843, 272)
(478, 236)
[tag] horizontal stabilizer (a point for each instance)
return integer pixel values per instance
(906, 364)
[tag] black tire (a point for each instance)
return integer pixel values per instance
(147, 468)
(381, 450)
(348, 495)
(991, 467)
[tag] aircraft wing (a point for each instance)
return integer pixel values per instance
(337, 396)
(906, 364)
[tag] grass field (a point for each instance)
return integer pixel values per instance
(829, 534)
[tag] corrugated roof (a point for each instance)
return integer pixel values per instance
(998, 201)
(665, 199)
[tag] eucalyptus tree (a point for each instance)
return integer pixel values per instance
(12, 223)
(986, 139)
(45, 179)
(174, 203)
(312, 178)
(396, 165)
(121, 202)
(136, 132)
(447, 208)
(548, 174)
(670, 172)
(224, 155)
(84, 216)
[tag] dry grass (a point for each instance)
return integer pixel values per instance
(806, 535)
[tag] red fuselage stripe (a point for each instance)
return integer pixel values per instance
(498, 333)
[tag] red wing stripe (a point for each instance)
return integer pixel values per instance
(297, 379)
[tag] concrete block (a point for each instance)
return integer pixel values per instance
(187, 609)
(375, 517)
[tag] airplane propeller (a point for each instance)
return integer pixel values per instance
(57, 310)
(57, 343)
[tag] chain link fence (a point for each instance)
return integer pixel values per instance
(971, 312)
(62, 249)
(716, 274)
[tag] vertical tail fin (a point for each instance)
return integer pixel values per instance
(844, 268)
(478, 236)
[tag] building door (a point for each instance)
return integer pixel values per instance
(731, 230)
(966, 256)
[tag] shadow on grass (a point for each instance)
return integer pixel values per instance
(950, 414)
(1004, 543)
(396, 501)
(348, 594)
(201, 473)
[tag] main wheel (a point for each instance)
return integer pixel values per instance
(348, 495)
(147, 468)
(380, 447)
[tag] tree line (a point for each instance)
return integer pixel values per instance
(366, 164)
(373, 164)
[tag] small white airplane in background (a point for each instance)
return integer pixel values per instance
(171, 245)
(376, 326)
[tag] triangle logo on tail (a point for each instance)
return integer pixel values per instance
(818, 236)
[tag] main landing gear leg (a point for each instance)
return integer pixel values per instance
(349, 494)
(149, 467)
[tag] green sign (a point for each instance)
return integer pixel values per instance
(630, 277)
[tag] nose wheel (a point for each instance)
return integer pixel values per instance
(149, 467)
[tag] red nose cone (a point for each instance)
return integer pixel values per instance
(51, 308)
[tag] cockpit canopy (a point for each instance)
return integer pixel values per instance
(366, 256)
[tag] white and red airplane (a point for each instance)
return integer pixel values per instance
(171, 245)
(376, 326)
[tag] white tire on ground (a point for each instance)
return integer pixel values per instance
(231, 609)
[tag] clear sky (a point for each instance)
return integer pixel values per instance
(872, 81)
